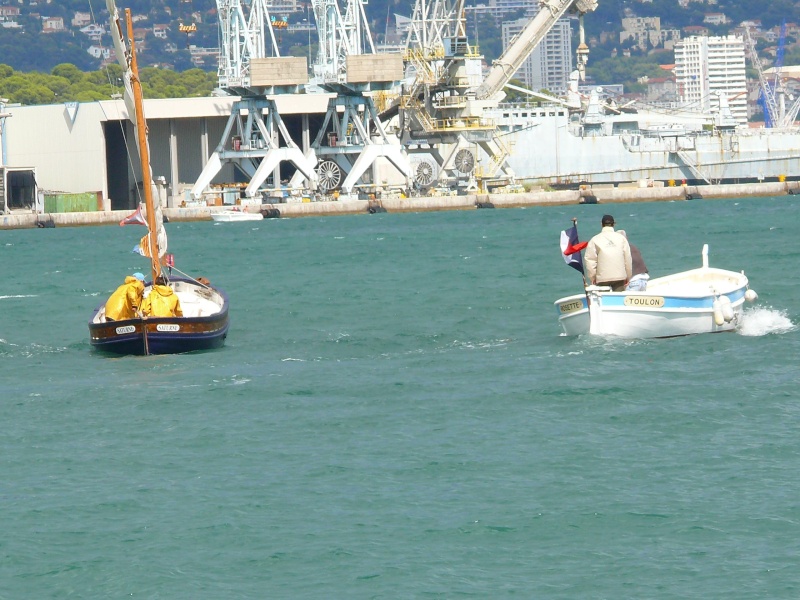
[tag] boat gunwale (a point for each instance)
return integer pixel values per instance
(214, 330)
(736, 286)
(196, 319)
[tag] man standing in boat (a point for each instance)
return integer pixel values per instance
(608, 257)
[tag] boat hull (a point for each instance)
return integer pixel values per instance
(625, 152)
(231, 216)
(656, 313)
(163, 335)
(159, 336)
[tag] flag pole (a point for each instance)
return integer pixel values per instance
(588, 301)
(570, 246)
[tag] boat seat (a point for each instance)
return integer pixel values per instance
(690, 286)
(193, 306)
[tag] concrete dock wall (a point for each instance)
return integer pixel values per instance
(693, 192)
(19, 220)
(317, 209)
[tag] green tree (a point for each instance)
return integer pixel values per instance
(487, 35)
(90, 96)
(34, 94)
(70, 72)
(65, 82)
(10, 86)
(626, 70)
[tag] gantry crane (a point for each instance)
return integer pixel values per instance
(351, 138)
(442, 111)
(255, 138)
(772, 90)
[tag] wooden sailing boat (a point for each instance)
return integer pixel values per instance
(204, 324)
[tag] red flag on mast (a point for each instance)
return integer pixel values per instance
(135, 218)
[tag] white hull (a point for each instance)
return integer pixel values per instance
(703, 300)
(631, 148)
(229, 216)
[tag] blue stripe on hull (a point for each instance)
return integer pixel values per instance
(162, 343)
(618, 299)
(174, 343)
(667, 320)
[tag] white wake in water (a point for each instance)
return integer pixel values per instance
(763, 321)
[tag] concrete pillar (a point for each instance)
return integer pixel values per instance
(174, 177)
(104, 188)
(306, 135)
(306, 141)
(276, 174)
(163, 197)
(204, 153)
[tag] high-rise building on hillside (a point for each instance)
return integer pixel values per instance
(499, 9)
(708, 66)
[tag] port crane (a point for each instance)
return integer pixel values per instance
(255, 138)
(351, 138)
(772, 91)
(442, 110)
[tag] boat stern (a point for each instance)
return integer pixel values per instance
(573, 314)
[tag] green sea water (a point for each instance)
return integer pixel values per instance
(396, 415)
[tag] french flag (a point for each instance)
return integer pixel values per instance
(571, 248)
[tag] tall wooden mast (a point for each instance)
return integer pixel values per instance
(144, 155)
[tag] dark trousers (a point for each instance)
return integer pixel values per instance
(616, 286)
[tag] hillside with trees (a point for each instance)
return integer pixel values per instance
(35, 62)
(66, 83)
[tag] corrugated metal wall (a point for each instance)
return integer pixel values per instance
(68, 156)
(86, 202)
(82, 155)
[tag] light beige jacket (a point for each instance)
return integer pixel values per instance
(608, 257)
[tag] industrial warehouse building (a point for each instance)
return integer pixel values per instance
(85, 148)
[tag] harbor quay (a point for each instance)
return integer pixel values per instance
(586, 195)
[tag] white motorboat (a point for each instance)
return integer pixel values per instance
(236, 215)
(704, 300)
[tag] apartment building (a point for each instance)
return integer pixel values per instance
(646, 33)
(708, 66)
(550, 64)
(498, 9)
(278, 7)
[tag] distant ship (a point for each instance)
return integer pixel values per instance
(552, 145)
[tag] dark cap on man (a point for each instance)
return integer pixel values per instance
(607, 220)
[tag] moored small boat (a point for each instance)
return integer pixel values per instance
(227, 216)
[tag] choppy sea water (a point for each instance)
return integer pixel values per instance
(396, 415)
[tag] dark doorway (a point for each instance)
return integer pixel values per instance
(20, 189)
(117, 166)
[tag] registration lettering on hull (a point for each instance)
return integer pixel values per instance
(644, 301)
(569, 307)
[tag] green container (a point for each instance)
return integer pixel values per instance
(63, 203)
